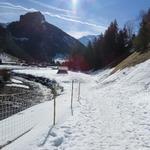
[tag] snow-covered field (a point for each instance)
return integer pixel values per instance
(113, 113)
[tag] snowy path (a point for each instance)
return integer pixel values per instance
(112, 117)
(114, 113)
(107, 121)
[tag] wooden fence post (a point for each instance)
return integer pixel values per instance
(72, 98)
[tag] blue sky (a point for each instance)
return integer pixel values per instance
(76, 17)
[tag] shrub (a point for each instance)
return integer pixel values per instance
(4, 76)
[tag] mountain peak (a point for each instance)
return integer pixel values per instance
(34, 17)
(89, 38)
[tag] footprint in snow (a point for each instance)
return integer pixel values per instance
(65, 127)
(53, 134)
(58, 141)
(68, 132)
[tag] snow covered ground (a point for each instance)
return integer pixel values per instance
(17, 83)
(6, 58)
(113, 113)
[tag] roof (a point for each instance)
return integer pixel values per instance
(63, 68)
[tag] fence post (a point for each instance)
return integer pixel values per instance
(54, 92)
(79, 92)
(54, 121)
(72, 98)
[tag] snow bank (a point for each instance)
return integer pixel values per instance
(18, 85)
(16, 81)
(113, 113)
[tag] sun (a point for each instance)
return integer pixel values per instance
(74, 2)
(74, 5)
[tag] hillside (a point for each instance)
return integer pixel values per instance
(34, 39)
(132, 60)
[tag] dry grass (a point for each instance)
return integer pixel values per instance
(132, 60)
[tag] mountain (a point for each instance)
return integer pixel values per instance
(9, 46)
(32, 38)
(86, 39)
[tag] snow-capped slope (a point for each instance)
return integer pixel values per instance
(60, 58)
(86, 39)
(113, 112)
(6, 58)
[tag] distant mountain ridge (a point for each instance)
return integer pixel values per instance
(32, 38)
(86, 39)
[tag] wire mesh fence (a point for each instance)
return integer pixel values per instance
(17, 116)
(14, 121)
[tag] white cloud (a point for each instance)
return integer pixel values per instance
(58, 16)
(51, 7)
(70, 16)
(18, 7)
(74, 20)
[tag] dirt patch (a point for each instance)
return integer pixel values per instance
(132, 60)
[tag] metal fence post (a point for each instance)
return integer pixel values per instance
(54, 121)
(54, 92)
(79, 91)
(72, 97)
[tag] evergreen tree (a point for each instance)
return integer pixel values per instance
(142, 40)
(108, 47)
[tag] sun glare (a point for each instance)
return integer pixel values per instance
(74, 2)
(74, 5)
